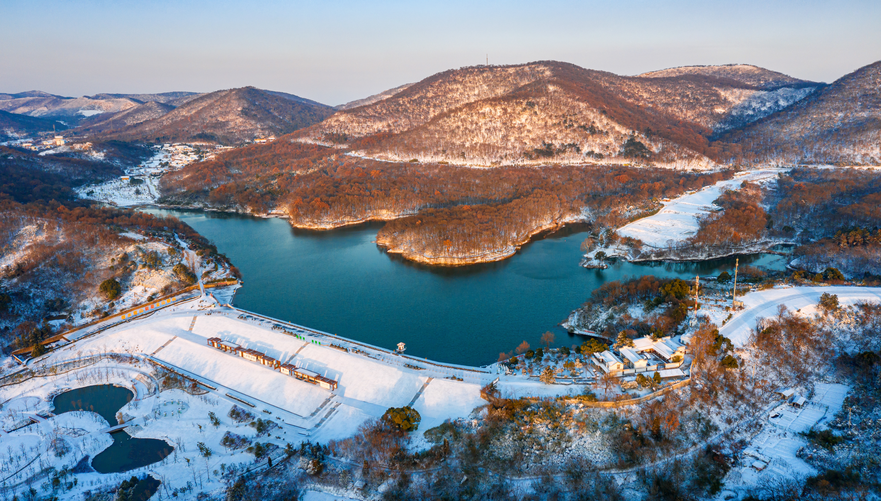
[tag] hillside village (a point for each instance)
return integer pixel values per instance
(140, 184)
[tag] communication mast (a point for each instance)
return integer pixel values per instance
(734, 292)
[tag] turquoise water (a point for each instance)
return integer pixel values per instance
(340, 282)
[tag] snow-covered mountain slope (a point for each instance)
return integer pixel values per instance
(840, 123)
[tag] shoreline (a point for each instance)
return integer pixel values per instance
(766, 248)
(489, 257)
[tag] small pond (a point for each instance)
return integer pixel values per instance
(126, 453)
(104, 400)
(145, 489)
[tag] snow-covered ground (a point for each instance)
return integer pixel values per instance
(764, 304)
(124, 193)
(679, 219)
(370, 382)
(770, 455)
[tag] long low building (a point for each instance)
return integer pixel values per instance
(272, 363)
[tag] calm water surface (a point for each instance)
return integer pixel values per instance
(126, 453)
(103, 399)
(340, 282)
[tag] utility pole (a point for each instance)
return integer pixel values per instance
(487, 60)
(734, 292)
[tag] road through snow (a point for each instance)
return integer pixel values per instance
(764, 304)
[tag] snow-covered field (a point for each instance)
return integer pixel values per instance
(679, 219)
(369, 383)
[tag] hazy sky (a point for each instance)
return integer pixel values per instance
(335, 51)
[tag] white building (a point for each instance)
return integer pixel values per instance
(634, 359)
(609, 361)
(666, 348)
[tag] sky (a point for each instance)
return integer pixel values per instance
(335, 51)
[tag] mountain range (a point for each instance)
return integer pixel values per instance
(526, 114)
(558, 112)
(230, 116)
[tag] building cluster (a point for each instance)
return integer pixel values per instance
(645, 355)
(263, 359)
(52, 142)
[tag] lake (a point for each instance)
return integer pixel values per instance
(340, 282)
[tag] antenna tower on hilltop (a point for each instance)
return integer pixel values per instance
(734, 292)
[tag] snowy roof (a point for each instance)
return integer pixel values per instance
(307, 372)
(671, 373)
(663, 350)
(667, 348)
(610, 358)
(631, 355)
(643, 343)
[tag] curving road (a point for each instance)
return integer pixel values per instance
(764, 304)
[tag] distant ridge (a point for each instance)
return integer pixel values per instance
(840, 123)
(30, 93)
(173, 98)
(374, 98)
(227, 117)
(749, 74)
(12, 125)
(105, 123)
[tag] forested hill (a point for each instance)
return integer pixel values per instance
(558, 112)
(228, 117)
(839, 124)
(748, 74)
(112, 122)
(13, 124)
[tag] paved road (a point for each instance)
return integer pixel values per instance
(764, 304)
